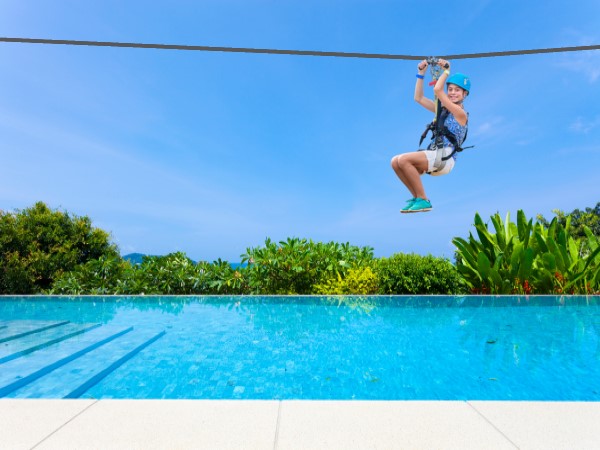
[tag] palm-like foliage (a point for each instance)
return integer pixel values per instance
(527, 257)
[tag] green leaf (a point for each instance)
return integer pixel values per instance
(515, 260)
(486, 239)
(526, 264)
(497, 281)
(555, 251)
(466, 251)
(500, 231)
(521, 225)
(549, 261)
(484, 265)
(538, 233)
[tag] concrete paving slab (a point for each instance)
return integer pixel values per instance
(546, 425)
(248, 424)
(170, 424)
(385, 425)
(24, 423)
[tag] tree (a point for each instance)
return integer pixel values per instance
(589, 217)
(38, 244)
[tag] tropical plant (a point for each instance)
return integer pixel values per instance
(580, 221)
(173, 274)
(359, 281)
(296, 265)
(221, 278)
(103, 276)
(589, 217)
(419, 275)
(38, 244)
(524, 258)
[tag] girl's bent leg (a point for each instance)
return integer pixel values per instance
(409, 167)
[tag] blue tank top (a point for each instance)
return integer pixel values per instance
(455, 128)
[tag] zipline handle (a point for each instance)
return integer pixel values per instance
(434, 68)
(434, 60)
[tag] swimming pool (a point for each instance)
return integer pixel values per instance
(342, 348)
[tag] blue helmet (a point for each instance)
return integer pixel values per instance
(460, 80)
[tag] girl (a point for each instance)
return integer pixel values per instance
(440, 155)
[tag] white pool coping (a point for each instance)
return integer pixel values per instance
(291, 424)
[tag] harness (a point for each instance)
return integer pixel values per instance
(439, 130)
(438, 127)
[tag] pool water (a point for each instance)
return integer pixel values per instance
(342, 348)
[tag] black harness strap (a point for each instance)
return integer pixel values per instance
(433, 126)
(439, 130)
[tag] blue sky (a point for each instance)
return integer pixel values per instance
(210, 153)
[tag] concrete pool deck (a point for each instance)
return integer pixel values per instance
(291, 424)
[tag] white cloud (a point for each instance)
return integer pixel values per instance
(484, 127)
(493, 126)
(586, 63)
(584, 126)
(582, 64)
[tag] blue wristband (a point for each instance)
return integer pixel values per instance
(420, 76)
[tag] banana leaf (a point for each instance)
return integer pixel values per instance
(485, 237)
(587, 270)
(549, 262)
(524, 228)
(555, 251)
(465, 251)
(484, 265)
(500, 231)
(538, 233)
(526, 264)
(496, 282)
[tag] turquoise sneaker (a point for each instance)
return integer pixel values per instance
(420, 205)
(409, 204)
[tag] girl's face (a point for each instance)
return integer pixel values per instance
(456, 94)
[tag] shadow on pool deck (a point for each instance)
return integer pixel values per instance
(229, 424)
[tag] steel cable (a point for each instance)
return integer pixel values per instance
(206, 48)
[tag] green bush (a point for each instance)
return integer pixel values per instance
(417, 275)
(359, 281)
(104, 276)
(528, 258)
(296, 265)
(38, 244)
(176, 274)
(221, 278)
(42, 250)
(173, 274)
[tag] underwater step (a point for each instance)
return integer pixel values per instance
(28, 368)
(16, 329)
(72, 380)
(33, 342)
(82, 389)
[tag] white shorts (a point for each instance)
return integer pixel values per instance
(431, 155)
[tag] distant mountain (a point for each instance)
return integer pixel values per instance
(134, 258)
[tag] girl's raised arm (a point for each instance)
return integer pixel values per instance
(419, 96)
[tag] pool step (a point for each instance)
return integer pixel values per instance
(30, 343)
(72, 380)
(20, 328)
(19, 372)
(45, 359)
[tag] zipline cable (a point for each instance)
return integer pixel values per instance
(206, 48)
